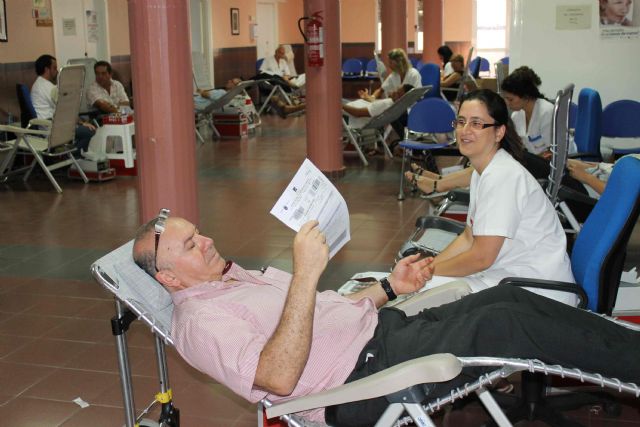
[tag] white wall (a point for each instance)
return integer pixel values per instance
(612, 67)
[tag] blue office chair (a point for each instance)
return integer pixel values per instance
(505, 60)
(430, 74)
(414, 62)
(475, 66)
(259, 64)
(352, 69)
(27, 112)
(597, 261)
(588, 126)
(429, 116)
(371, 70)
(573, 115)
(621, 119)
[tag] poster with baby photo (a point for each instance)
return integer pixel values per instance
(619, 19)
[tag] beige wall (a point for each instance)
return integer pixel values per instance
(118, 27)
(289, 12)
(358, 21)
(457, 22)
(221, 22)
(26, 41)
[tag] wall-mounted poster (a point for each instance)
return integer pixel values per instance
(235, 21)
(618, 20)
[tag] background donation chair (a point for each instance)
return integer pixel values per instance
(621, 119)
(56, 140)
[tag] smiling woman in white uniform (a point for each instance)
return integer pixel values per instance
(512, 228)
(532, 113)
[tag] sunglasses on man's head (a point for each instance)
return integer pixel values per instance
(159, 228)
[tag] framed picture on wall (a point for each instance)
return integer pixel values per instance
(3, 21)
(235, 21)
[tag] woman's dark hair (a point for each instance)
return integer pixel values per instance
(522, 82)
(445, 52)
(497, 109)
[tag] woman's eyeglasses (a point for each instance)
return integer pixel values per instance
(475, 124)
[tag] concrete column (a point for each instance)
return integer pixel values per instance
(165, 133)
(432, 26)
(393, 15)
(324, 92)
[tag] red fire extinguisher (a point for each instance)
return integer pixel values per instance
(314, 39)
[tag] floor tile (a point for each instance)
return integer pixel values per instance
(24, 411)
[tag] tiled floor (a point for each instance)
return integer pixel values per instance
(55, 338)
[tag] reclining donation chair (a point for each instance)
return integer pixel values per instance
(206, 115)
(56, 140)
(138, 296)
(588, 126)
(597, 260)
(373, 132)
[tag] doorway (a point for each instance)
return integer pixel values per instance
(80, 29)
(267, 20)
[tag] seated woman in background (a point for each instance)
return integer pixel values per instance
(454, 79)
(512, 228)
(531, 112)
(445, 54)
(402, 73)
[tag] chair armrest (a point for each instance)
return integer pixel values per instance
(569, 194)
(435, 297)
(40, 122)
(22, 131)
(582, 155)
(423, 370)
(550, 285)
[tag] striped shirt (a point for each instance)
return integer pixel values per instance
(221, 327)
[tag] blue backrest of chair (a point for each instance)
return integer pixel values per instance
(27, 112)
(484, 64)
(430, 74)
(414, 62)
(598, 253)
(621, 119)
(372, 66)
(589, 121)
(431, 115)
(352, 67)
(259, 64)
(505, 60)
(474, 67)
(573, 115)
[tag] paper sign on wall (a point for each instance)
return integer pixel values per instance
(68, 26)
(574, 17)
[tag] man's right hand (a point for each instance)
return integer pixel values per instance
(310, 250)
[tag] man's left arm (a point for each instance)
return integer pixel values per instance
(409, 275)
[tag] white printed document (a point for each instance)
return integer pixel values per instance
(310, 195)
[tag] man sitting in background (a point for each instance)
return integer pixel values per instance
(106, 94)
(44, 95)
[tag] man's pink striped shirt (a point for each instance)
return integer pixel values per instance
(221, 327)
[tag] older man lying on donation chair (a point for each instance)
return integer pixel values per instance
(273, 335)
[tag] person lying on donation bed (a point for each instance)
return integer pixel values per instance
(289, 340)
(205, 97)
(512, 228)
(361, 110)
(453, 79)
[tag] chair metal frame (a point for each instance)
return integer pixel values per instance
(133, 301)
(57, 138)
(382, 121)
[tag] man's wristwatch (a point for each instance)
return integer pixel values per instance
(388, 289)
